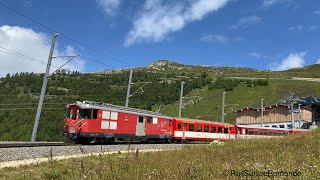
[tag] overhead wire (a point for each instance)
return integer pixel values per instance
(65, 36)
(61, 46)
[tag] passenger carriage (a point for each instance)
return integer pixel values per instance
(198, 130)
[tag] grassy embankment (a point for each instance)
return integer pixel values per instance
(240, 97)
(295, 153)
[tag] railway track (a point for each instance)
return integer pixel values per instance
(36, 144)
(20, 153)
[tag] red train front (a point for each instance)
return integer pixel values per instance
(87, 122)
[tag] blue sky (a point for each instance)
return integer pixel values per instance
(262, 34)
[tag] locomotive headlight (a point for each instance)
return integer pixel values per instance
(72, 129)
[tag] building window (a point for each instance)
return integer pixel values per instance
(213, 129)
(206, 128)
(199, 128)
(191, 127)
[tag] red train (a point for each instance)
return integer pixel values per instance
(88, 122)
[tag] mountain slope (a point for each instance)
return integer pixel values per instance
(166, 66)
(202, 91)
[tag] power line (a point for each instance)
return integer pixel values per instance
(11, 109)
(15, 53)
(12, 104)
(61, 46)
(75, 41)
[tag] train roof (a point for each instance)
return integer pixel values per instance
(112, 107)
(202, 121)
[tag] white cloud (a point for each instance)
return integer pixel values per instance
(157, 19)
(215, 38)
(318, 61)
(245, 22)
(313, 28)
(317, 12)
(255, 55)
(110, 7)
(293, 60)
(31, 44)
(269, 3)
(296, 28)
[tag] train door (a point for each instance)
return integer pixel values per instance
(140, 128)
(184, 131)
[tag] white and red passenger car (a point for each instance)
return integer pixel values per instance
(95, 121)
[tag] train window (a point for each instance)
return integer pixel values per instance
(155, 120)
(206, 129)
(114, 116)
(289, 126)
(199, 128)
(105, 114)
(246, 132)
(140, 119)
(274, 126)
(226, 130)
(250, 132)
(149, 119)
(219, 129)
(281, 126)
(74, 114)
(67, 113)
(170, 122)
(85, 113)
(179, 126)
(213, 129)
(191, 127)
(95, 114)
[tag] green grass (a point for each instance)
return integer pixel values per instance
(241, 97)
(298, 153)
(311, 71)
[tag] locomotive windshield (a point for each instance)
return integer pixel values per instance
(67, 114)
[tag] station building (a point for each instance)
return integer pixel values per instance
(279, 115)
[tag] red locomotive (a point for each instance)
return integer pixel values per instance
(89, 121)
(92, 121)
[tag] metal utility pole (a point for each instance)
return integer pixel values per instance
(262, 112)
(129, 86)
(299, 115)
(222, 113)
(292, 116)
(181, 96)
(43, 90)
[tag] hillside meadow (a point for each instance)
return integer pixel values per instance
(294, 156)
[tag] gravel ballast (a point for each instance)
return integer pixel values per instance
(22, 153)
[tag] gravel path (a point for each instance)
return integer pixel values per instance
(14, 154)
